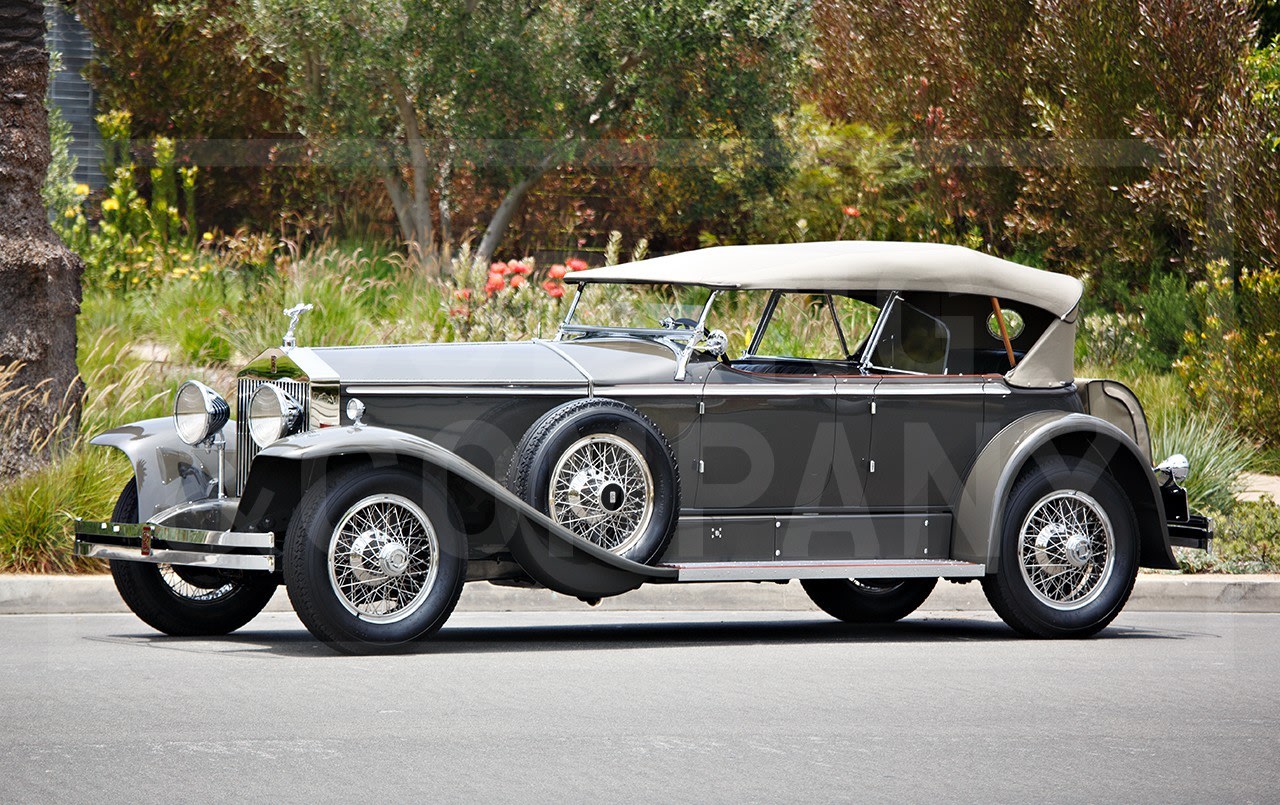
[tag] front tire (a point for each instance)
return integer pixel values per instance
(186, 601)
(868, 600)
(1068, 552)
(375, 558)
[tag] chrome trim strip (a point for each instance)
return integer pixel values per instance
(468, 390)
(651, 390)
(851, 569)
(222, 561)
(185, 536)
(919, 388)
(554, 347)
(776, 388)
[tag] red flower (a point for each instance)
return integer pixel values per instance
(516, 267)
(576, 264)
(553, 289)
(517, 281)
(853, 212)
(462, 293)
(557, 271)
(495, 284)
(498, 268)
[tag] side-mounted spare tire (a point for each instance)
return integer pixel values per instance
(605, 472)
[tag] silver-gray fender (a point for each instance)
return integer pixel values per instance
(565, 562)
(169, 471)
(979, 515)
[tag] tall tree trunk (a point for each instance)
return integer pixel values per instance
(39, 276)
(497, 228)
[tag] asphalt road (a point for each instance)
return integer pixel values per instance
(616, 706)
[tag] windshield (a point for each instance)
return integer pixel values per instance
(649, 309)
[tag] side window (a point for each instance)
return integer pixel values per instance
(802, 327)
(857, 320)
(912, 341)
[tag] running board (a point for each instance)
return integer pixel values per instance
(852, 569)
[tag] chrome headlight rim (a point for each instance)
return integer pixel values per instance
(273, 414)
(199, 412)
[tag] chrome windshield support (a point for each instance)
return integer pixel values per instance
(568, 316)
(699, 335)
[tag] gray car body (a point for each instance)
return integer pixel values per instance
(776, 470)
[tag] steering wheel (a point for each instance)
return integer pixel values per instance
(669, 323)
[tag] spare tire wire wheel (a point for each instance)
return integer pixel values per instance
(602, 490)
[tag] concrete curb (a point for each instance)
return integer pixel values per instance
(31, 595)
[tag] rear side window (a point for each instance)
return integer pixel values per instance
(911, 341)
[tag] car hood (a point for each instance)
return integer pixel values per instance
(517, 363)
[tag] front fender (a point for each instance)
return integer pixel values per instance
(169, 471)
(979, 515)
(564, 561)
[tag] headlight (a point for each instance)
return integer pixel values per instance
(198, 412)
(272, 414)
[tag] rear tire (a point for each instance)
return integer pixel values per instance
(868, 600)
(1068, 552)
(186, 601)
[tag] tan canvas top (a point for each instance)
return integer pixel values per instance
(852, 265)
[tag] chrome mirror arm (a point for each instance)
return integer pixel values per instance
(682, 362)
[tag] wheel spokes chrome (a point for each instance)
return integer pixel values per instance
(1066, 549)
(601, 489)
(193, 592)
(383, 558)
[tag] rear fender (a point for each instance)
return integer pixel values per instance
(169, 471)
(565, 562)
(979, 516)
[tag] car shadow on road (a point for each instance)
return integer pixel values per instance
(641, 634)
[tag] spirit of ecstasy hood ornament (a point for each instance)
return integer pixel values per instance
(294, 313)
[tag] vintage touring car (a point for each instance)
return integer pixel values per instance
(891, 414)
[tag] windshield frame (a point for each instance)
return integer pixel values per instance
(681, 336)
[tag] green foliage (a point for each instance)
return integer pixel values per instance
(1218, 455)
(1166, 317)
(1233, 364)
(60, 191)
(1245, 541)
(848, 181)
(446, 81)
(136, 242)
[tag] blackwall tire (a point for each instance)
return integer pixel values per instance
(604, 471)
(375, 559)
(868, 600)
(186, 602)
(1068, 552)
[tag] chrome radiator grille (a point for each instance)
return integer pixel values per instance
(246, 447)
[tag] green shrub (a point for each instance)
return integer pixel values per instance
(1233, 364)
(1166, 317)
(1218, 456)
(1246, 541)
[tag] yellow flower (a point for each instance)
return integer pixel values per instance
(82, 189)
(69, 212)
(136, 280)
(207, 236)
(110, 205)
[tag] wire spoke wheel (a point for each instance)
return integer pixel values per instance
(1066, 549)
(602, 490)
(384, 556)
(197, 587)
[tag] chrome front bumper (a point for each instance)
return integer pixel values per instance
(162, 544)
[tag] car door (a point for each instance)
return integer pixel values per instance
(769, 416)
(927, 423)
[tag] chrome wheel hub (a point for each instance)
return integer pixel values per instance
(601, 489)
(383, 558)
(1066, 549)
